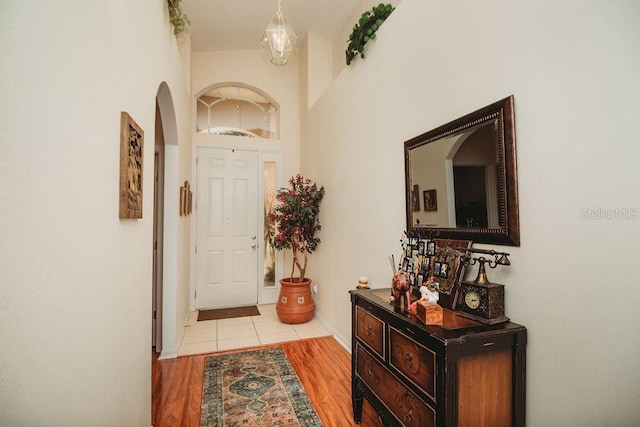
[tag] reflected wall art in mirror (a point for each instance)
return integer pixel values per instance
(461, 180)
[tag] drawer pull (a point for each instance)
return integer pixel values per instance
(408, 416)
(369, 328)
(409, 357)
(369, 372)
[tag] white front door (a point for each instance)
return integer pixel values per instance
(227, 228)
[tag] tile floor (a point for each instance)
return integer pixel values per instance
(228, 334)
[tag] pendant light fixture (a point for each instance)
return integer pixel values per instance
(279, 39)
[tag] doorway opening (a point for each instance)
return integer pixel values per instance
(234, 262)
(471, 178)
(158, 232)
(165, 237)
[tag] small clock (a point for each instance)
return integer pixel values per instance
(483, 302)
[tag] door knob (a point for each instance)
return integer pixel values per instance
(253, 246)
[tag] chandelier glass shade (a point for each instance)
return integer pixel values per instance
(279, 39)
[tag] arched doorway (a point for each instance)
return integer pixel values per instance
(158, 232)
(472, 186)
(165, 252)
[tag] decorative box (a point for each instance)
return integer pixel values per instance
(430, 313)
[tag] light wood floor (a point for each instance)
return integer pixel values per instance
(322, 364)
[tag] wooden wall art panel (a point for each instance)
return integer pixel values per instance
(186, 199)
(131, 155)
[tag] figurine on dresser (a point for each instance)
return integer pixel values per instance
(400, 283)
(401, 288)
(429, 290)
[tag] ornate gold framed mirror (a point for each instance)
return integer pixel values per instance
(461, 179)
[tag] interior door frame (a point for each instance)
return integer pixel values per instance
(268, 153)
(158, 250)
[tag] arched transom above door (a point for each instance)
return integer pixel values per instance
(237, 109)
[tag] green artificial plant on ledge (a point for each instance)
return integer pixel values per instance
(178, 18)
(365, 30)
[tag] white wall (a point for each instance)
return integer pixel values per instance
(574, 69)
(75, 293)
(318, 67)
(184, 165)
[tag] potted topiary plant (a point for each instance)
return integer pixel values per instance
(296, 218)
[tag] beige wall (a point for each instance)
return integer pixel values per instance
(573, 69)
(75, 280)
(319, 65)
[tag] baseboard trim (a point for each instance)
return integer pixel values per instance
(341, 340)
(168, 354)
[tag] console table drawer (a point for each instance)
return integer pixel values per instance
(403, 403)
(370, 330)
(414, 360)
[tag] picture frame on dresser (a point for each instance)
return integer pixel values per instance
(427, 257)
(431, 248)
(446, 253)
(436, 268)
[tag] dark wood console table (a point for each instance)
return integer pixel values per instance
(462, 373)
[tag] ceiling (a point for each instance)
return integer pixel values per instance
(239, 24)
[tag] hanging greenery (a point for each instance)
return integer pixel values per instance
(177, 17)
(365, 30)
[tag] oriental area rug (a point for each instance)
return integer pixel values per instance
(254, 388)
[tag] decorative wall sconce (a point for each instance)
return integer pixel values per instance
(279, 39)
(186, 199)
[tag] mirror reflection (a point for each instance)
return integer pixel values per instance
(460, 171)
(461, 178)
